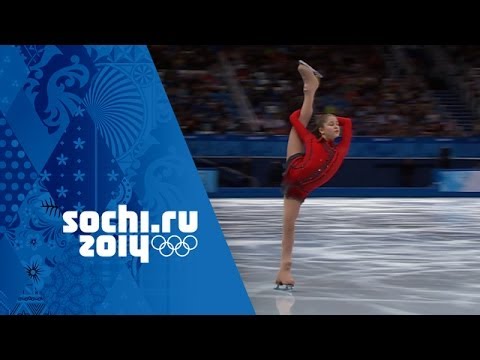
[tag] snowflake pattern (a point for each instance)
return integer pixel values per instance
(81, 174)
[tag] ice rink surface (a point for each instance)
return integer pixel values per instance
(360, 256)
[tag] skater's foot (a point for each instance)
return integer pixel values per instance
(284, 276)
(315, 72)
(310, 77)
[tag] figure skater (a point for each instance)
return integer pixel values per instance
(312, 160)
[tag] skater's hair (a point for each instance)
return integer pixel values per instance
(319, 123)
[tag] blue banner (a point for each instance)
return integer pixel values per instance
(102, 210)
(463, 181)
(361, 147)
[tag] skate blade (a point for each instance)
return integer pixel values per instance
(315, 72)
(283, 287)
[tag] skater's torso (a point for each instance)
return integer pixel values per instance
(321, 159)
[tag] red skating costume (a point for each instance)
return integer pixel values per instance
(307, 171)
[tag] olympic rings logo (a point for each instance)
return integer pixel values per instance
(173, 244)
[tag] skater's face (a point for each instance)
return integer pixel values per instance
(330, 129)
